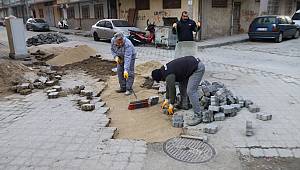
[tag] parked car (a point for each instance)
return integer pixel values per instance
(296, 17)
(37, 24)
(273, 27)
(106, 28)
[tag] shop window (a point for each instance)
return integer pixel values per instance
(85, 11)
(142, 5)
(171, 4)
(219, 3)
(71, 12)
(99, 12)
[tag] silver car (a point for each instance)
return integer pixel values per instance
(106, 28)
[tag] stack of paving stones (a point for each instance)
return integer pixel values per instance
(23, 88)
(49, 38)
(217, 102)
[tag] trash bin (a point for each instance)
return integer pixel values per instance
(16, 37)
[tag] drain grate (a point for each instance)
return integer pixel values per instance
(189, 150)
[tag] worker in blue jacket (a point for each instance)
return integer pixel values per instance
(185, 27)
(124, 54)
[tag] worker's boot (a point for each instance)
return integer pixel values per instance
(197, 118)
(128, 92)
(121, 90)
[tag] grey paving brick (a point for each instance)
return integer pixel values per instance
(285, 153)
(296, 153)
(256, 152)
(244, 151)
(272, 152)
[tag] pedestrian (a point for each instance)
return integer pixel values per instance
(188, 71)
(185, 27)
(124, 54)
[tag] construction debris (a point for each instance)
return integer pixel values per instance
(49, 38)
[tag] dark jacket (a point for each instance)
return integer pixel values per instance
(185, 30)
(182, 67)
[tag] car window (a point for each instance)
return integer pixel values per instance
(296, 16)
(40, 21)
(120, 23)
(289, 20)
(265, 20)
(101, 24)
(108, 24)
(282, 20)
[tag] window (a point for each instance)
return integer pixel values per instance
(219, 3)
(142, 5)
(85, 11)
(101, 24)
(40, 21)
(171, 4)
(266, 20)
(120, 23)
(281, 20)
(108, 24)
(296, 16)
(41, 13)
(71, 12)
(99, 13)
(289, 20)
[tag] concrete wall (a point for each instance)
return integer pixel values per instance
(249, 10)
(156, 12)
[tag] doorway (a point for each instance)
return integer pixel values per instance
(236, 17)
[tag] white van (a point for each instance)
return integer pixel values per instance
(296, 17)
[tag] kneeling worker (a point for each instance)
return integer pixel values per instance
(188, 71)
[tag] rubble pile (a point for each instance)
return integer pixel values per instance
(48, 38)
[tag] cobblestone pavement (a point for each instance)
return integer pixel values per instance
(41, 133)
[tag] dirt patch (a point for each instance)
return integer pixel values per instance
(11, 72)
(94, 66)
(271, 163)
(72, 55)
(149, 124)
(145, 69)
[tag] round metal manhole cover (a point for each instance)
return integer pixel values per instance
(189, 150)
(224, 76)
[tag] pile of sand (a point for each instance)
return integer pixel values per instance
(72, 55)
(145, 69)
(10, 72)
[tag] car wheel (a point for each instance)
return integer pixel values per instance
(296, 34)
(279, 38)
(95, 35)
(251, 39)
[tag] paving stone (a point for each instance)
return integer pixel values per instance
(53, 95)
(51, 91)
(253, 108)
(263, 116)
(248, 103)
(101, 104)
(25, 91)
(57, 88)
(86, 93)
(219, 116)
(244, 151)
(271, 152)
(284, 153)
(227, 109)
(103, 110)
(38, 85)
(50, 83)
(87, 107)
(62, 94)
(177, 121)
(207, 116)
(84, 101)
(296, 153)
(249, 128)
(210, 128)
(58, 77)
(257, 152)
(214, 108)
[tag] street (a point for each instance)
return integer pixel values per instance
(37, 133)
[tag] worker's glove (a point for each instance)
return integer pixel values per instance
(174, 25)
(165, 104)
(125, 74)
(118, 60)
(198, 24)
(170, 109)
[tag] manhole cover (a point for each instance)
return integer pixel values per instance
(224, 76)
(189, 150)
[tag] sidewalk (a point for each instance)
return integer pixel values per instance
(72, 31)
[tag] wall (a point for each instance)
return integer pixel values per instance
(249, 11)
(216, 21)
(156, 12)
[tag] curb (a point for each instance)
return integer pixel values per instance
(221, 44)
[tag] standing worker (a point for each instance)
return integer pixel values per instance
(185, 27)
(188, 71)
(124, 54)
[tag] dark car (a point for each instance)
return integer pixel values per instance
(273, 27)
(36, 24)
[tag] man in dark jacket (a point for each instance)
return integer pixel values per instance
(185, 27)
(188, 71)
